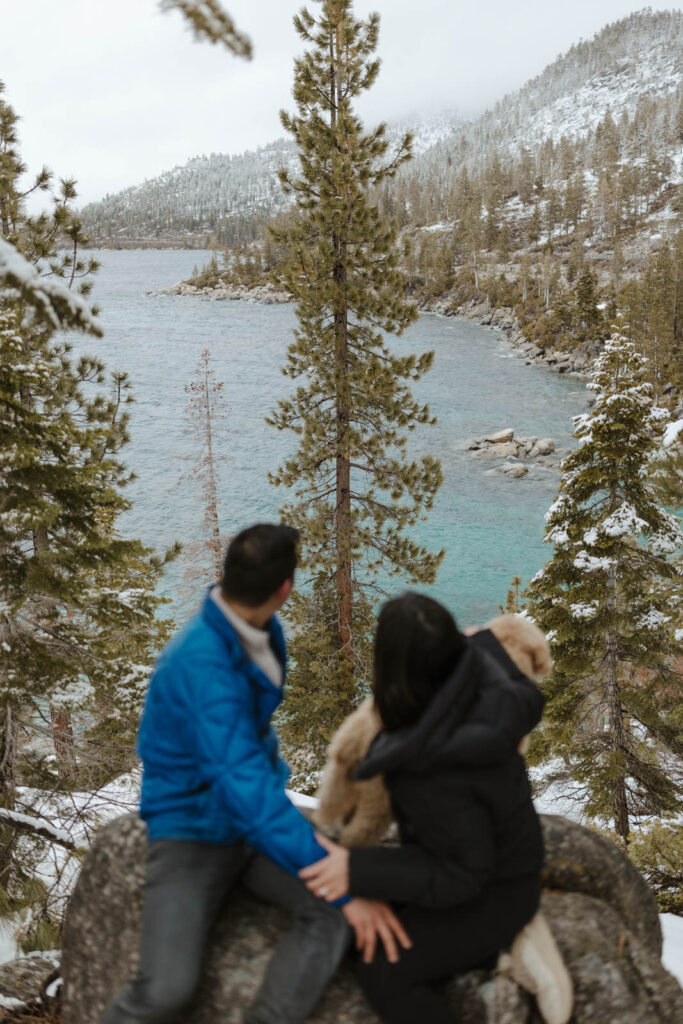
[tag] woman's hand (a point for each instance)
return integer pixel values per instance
(370, 919)
(329, 877)
(471, 630)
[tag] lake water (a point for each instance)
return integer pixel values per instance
(491, 526)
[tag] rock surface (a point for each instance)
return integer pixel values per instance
(23, 979)
(497, 451)
(579, 860)
(504, 444)
(500, 436)
(604, 919)
(515, 470)
(265, 294)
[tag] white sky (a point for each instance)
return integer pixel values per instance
(112, 92)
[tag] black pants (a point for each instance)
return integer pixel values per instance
(446, 941)
(186, 885)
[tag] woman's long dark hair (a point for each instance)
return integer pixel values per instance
(417, 645)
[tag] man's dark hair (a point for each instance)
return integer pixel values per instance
(417, 646)
(258, 561)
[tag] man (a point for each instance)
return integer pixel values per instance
(216, 809)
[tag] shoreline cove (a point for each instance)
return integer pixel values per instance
(502, 319)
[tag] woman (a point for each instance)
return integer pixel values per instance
(466, 878)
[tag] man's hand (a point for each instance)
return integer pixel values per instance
(370, 919)
(329, 877)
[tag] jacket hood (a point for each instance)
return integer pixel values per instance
(478, 718)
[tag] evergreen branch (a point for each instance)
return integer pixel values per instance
(209, 21)
(36, 826)
(52, 301)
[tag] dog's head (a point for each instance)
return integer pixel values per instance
(525, 644)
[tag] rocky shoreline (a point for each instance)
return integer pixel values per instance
(265, 294)
(577, 363)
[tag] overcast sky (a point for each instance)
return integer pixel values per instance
(112, 92)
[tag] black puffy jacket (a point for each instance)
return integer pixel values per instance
(458, 787)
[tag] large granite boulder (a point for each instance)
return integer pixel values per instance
(598, 906)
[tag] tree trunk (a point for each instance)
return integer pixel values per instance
(343, 458)
(62, 728)
(212, 497)
(617, 732)
(63, 739)
(8, 763)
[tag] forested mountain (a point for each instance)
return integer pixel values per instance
(624, 82)
(216, 198)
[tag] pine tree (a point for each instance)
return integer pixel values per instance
(50, 241)
(78, 626)
(535, 225)
(587, 312)
(610, 602)
(505, 243)
(77, 604)
(513, 601)
(356, 488)
(472, 230)
(617, 266)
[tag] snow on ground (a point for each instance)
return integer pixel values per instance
(672, 433)
(8, 1003)
(441, 226)
(8, 942)
(672, 956)
(300, 799)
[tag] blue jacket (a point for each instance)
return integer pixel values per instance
(211, 771)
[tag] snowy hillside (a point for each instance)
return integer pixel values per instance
(652, 73)
(630, 68)
(636, 57)
(218, 195)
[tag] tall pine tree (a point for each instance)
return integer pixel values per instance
(78, 623)
(355, 487)
(610, 602)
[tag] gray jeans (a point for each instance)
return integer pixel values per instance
(186, 885)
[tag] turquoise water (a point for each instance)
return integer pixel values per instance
(491, 526)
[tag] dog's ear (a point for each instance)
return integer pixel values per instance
(543, 662)
(525, 644)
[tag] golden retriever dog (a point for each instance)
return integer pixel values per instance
(359, 813)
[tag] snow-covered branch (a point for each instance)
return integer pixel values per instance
(37, 826)
(51, 299)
